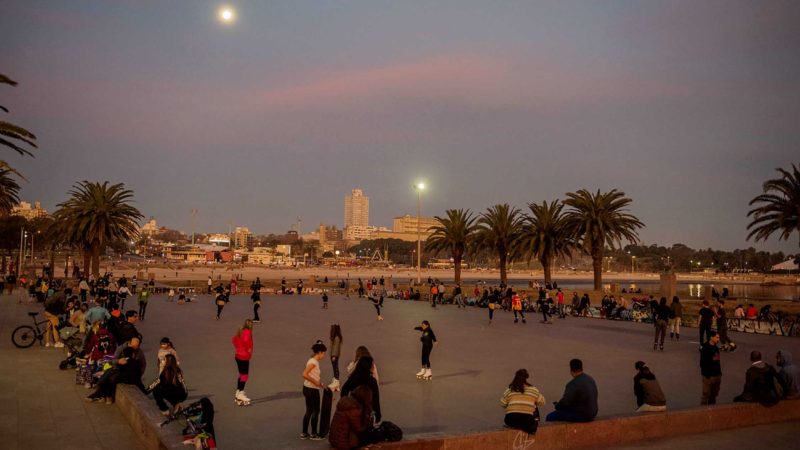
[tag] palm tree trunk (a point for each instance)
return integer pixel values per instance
(457, 257)
(87, 258)
(96, 260)
(597, 267)
(503, 276)
(547, 268)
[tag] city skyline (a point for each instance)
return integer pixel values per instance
(688, 108)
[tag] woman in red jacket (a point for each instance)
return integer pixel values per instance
(243, 343)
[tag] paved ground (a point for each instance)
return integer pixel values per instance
(42, 406)
(779, 435)
(472, 364)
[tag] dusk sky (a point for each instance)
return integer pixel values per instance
(686, 106)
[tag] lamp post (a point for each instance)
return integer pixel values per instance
(419, 187)
(633, 264)
(22, 235)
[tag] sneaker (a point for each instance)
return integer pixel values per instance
(58, 345)
(47, 344)
(109, 401)
(256, 321)
(165, 413)
(91, 399)
(304, 436)
(316, 437)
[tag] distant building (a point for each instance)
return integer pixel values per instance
(242, 237)
(408, 224)
(219, 239)
(356, 209)
(24, 210)
(150, 228)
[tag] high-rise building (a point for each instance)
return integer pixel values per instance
(24, 209)
(242, 237)
(356, 209)
(408, 224)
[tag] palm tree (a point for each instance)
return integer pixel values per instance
(780, 207)
(13, 136)
(95, 215)
(9, 191)
(544, 235)
(498, 229)
(597, 220)
(454, 234)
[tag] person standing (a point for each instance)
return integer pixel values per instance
(378, 302)
(256, 297)
(457, 297)
(428, 338)
(221, 300)
(336, 352)
(243, 345)
(171, 295)
(560, 300)
(208, 285)
(710, 369)
(649, 396)
(705, 320)
(283, 286)
(311, 385)
(324, 300)
(434, 295)
(676, 311)
(661, 316)
(521, 401)
(516, 306)
(722, 327)
(491, 307)
(144, 297)
(299, 287)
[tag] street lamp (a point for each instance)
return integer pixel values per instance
(22, 235)
(420, 186)
(633, 263)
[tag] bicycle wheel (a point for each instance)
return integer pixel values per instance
(23, 336)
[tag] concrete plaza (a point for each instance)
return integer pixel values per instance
(472, 364)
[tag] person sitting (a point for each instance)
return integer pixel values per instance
(579, 403)
(759, 385)
(649, 396)
(362, 376)
(351, 426)
(752, 313)
(170, 387)
(788, 375)
(126, 329)
(739, 312)
(521, 400)
(128, 369)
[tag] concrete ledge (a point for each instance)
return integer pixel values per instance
(145, 419)
(616, 430)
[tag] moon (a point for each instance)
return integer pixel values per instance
(227, 14)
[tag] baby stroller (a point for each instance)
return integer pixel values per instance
(199, 428)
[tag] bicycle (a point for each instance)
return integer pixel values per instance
(25, 335)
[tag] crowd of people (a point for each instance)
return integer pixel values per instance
(91, 316)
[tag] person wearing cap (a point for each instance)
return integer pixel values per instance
(649, 396)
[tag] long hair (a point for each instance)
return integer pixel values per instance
(363, 370)
(520, 381)
(336, 331)
(361, 352)
(171, 370)
(248, 324)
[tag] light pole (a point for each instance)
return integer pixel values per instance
(633, 264)
(21, 249)
(419, 187)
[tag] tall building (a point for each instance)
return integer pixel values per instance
(356, 209)
(150, 228)
(242, 237)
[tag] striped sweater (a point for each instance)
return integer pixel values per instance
(522, 402)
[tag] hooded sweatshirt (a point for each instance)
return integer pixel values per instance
(759, 384)
(647, 389)
(243, 344)
(789, 376)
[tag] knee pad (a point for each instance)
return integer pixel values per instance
(243, 377)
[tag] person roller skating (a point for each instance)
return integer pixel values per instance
(243, 343)
(516, 305)
(336, 351)
(378, 302)
(428, 338)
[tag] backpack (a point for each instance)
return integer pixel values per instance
(390, 432)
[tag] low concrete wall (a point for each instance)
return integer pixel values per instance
(616, 430)
(145, 419)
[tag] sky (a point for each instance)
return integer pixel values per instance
(686, 106)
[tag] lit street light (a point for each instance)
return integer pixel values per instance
(420, 186)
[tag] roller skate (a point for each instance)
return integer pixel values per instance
(421, 373)
(334, 386)
(428, 375)
(241, 399)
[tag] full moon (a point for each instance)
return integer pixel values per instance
(226, 14)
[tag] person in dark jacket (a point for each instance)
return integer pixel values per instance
(428, 338)
(126, 330)
(661, 315)
(579, 403)
(128, 370)
(170, 387)
(788, 375)
(362, 376)
(352, 422)
(649, 396)
(759, 385)
(710, 369)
